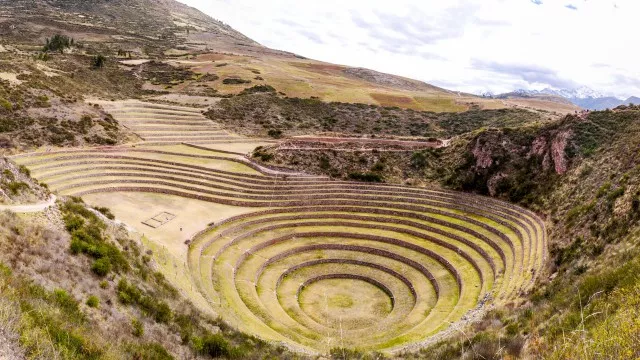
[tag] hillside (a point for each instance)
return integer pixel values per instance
(185, 38)
(580, 172)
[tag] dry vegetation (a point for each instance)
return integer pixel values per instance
(74, 306)
(262, 113)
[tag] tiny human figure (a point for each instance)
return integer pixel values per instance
(180, 228)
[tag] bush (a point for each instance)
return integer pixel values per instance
(138, 328)
(215, 346)
(93, 301)
(129, 294)
(366, 177)
(24, 170)
(101, 267)
(16, 187)
(149, 351)
(58, 43)
(275, 133)
(258, 89)
(65, 301)
(235, 81)
(87, 238)
(98, 61)
(7, 174)
(6, 104)
(106, 212)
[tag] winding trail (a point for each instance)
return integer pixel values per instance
(30, 208)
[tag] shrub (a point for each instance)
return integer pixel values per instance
(15, 187)
(93, 301)
(235, 81)
(101, 267)
(129, 294)
(258, 89)
(149, 351)
(7, 174)
(275, 133)
(366, 177)
(65, 301)
(138, 328)
(604, 189)
(6, 104)
(58, 43)
(418, 160)
(215, 346)
(98, 61)
(616, 194)
(106, 212)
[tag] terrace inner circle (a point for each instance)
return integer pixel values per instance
(346, 304)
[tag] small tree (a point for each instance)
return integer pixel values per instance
(58, 43)
(98, 61)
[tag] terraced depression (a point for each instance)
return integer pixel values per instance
(301, 259)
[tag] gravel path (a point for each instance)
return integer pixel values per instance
(31, 208)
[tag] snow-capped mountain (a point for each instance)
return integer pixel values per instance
(584, 97)
(579, 93)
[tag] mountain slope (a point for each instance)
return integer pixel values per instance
(146, 29)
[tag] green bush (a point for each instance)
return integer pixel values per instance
(616, 194)
(366, 177)
(7, 174)
(15, 187)
(235, 81)
(106, 212)
(6, 104)
(138, 328)
(149, 351)
(258, 89)
(58, 43)
(216, 346)
(86, 238)
(130, 294)
(93, 301)
(64, 300)
(101, 267)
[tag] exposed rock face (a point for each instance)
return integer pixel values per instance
(493, 182)
(558, 152)
(482, 151)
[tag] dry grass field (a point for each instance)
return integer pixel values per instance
(309, 78)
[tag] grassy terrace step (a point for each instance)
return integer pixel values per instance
(172, 133)
(180, 139)
(133, 106)
(155, 121)
(173, 129)
(134, 111)
(317, 262)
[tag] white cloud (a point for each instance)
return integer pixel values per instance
(468, 45)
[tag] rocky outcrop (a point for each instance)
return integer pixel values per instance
(558, 151)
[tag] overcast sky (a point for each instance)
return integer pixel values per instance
(467, 45)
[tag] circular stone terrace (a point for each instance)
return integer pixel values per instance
(312, 262)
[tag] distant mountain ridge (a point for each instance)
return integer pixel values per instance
(583, 97)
